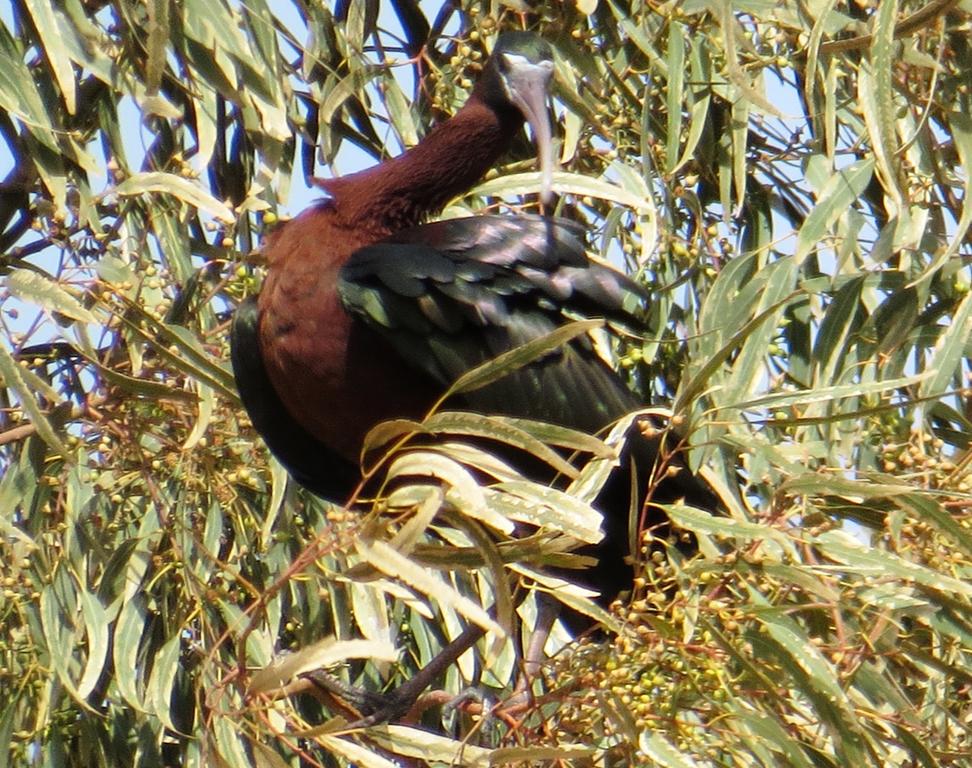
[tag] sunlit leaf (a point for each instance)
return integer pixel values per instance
(156, 182)
(320, 655)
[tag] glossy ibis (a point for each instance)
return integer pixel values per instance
(368, 314)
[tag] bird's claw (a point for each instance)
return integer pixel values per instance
(467, 696)
(375, 708)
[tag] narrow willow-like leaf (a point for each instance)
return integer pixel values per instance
(157, 182)
(185, 352)
(676, 84)
(750, 363)
(699, 381)
(740, 140)
(45, 22)
(830, 111)
(657, 747)
(126, 645)
(229, 744)
(96, 627)
(390, 431)
(774, 736)
(538, 505)
(370, 612)
(265, 757)
(804, 654)
(499, 429)
(961, 125)
(644, 43)
(813, 51)
(348, 86)
(699, 110)
(819, 394)
(876, 94)
(26, 384)
(160, 688)
(156, 41)
(323, 653)
(207, 403)
(385, 559)
(355, 753)
(504, 364)
(837, 484)
(805, 663)
(144, 388)
(425, 501)
(839, 322)
(883, 564)
(563, 183)
(174, 239)
(437, 749)
(531, 755)
(216, 27)
(504, 605)
(19, 94)
(564, 437)
(838, 194)
(59, 632)
(950, 349)
(701, 521)
(917, 748)
(462, 488)
(399, 112)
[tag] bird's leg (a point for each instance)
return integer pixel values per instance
(387, 707)
(547, 612)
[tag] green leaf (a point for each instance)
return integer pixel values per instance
(319, 655)
(876, 94)
(19, 94)
(676, 84)
(538, 505)
(157, 182)
(945, 363)
(961, 125)
(127, 640)
(501, 429)
(882, 564)
(59, 632)
(160, 689)
(565, 184)
(462, 489)
(508, 362)
(356, 754)
(51, 35)
(386, 560)
(96, 626)
(840, 192)
(433, 748)
(40, 289)
(27, 385)
(351, 85)
(663, 752)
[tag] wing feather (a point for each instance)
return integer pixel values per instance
(454, 294)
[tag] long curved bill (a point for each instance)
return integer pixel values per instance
(527, 85)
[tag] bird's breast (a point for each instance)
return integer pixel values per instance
(336, 377)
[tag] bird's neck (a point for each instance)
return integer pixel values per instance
(405, 190)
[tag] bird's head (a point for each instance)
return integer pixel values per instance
(518, 74)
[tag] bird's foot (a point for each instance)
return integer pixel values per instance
(406, 701)
(373, 708)
(469, 700)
